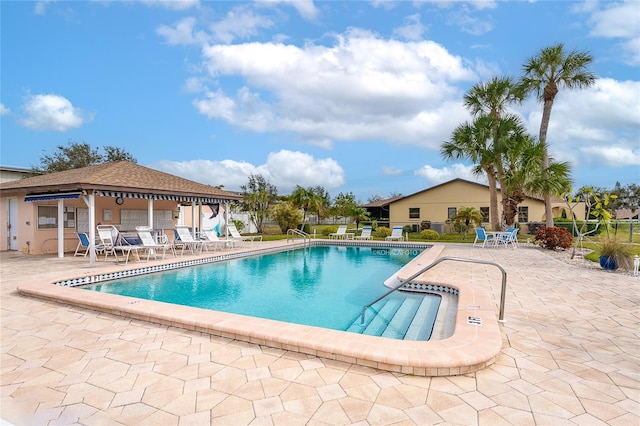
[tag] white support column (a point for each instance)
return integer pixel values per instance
(193, 219)
(60, 228)
(226, 219)
(150, 212)
(89, 200)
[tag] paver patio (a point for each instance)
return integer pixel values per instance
(571, 355)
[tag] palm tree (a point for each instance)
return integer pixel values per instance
(468, 216)
(491, 99)
(522, 168)
(359, 214)
(544, 74)
(473, 141)
(302, 198)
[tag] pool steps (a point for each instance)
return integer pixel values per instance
(408, 319)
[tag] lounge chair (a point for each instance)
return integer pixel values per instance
(112, 242)
(342, 233)
(151, 245)
(211, 239)
(184, 239)
(366, 233)
(235, 235)
(396, 234)
(482, 237)
(83, 243)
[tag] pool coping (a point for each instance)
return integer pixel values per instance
(475, 343)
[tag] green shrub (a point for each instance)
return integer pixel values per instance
(381, 232)
(326, 230)
(239, 224)
(429, 234)
(306, 228)
(553, 237)
(286, 215)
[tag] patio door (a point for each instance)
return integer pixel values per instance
(12, 224)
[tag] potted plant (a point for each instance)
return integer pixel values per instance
(614, 255)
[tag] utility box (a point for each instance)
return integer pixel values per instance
(438, 227)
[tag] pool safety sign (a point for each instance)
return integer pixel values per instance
(474, 320)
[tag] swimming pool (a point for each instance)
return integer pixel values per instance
(322, 286)
(469, 346)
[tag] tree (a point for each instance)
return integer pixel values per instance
(77, 155)
(596, 203)
(320, 203)
(344, 204)
(258, 195)
(491, 99)
(286, 215)
(522, 172)
(359, 214)
(113, 154)
(544, 75)
(378, 197)
(473, 141)
(302, 198)
(466, 216)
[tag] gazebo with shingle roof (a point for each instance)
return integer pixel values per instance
(121, 180)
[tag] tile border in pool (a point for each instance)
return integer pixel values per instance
(470, 348)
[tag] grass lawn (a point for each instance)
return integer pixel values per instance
(274, 233)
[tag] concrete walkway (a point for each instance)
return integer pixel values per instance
(571, 355)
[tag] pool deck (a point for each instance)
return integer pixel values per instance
(570, 355)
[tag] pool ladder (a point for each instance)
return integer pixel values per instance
(292, 233)
(438, 261)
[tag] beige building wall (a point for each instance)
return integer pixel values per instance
(41, 241)
(434, 204)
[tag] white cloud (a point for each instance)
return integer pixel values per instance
(241, 22)
(182, 33)
(4, 110)
(413, 29)
(360, 88)
(584, 121)
(469, 23)
(40, 7)
(391, 171)
(173, 4)
(436, 176)
(290, 168)
(478, 4)
(305, 8)
(614, 156)
(284, 169)
(619, 20)
(52, 112)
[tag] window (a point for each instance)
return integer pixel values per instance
(48, 217)
(485, 213)
(523, 214)
(414, 213)
(452, 212)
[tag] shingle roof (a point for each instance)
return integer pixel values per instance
(119, 176)
(381, 203)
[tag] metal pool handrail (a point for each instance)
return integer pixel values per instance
(438, 261)
(307, 237)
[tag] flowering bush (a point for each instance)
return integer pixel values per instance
(553, 237)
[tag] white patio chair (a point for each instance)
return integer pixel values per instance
(396, 234)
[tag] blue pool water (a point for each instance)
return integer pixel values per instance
(323, 286)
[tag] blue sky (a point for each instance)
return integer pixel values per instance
(355, 96)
